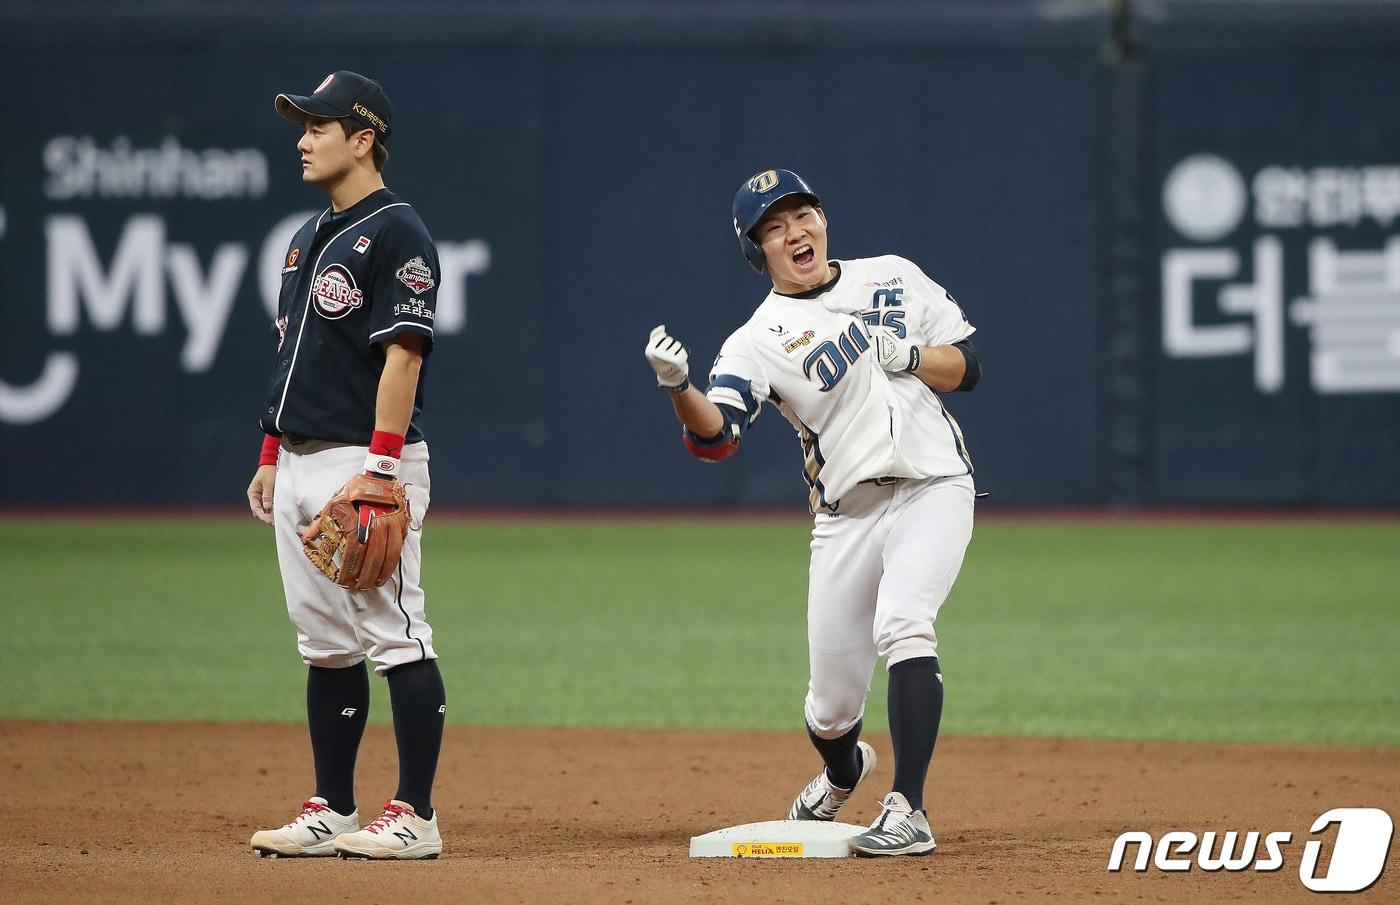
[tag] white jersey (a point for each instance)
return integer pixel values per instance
(807, 355)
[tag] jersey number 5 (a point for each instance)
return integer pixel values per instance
(893, 318)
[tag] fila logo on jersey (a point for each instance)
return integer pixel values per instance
(335, 293)
(416, 275)
(362, 244)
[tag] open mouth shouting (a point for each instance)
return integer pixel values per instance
(804, 255)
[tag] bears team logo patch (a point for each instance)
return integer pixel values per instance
(416, 275)
(335, 293)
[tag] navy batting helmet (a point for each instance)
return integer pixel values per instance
(754, 199)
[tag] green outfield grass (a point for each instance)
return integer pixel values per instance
(1284, 631)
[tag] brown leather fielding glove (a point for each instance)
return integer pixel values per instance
(366, 522)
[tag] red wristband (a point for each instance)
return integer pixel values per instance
(384, 451)
(271, 446)
(384, 443)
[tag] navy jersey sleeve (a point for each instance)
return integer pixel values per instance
(403, 298)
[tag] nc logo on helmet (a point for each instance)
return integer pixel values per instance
(764, 181)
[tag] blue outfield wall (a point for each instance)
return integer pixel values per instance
(576, 166)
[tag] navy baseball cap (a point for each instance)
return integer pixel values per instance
(343, 95)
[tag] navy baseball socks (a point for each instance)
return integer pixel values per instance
(840, 755)
(337, 705)
(915, 710)
(828, 792)
(419, 702)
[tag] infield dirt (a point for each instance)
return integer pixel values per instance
(161, 813)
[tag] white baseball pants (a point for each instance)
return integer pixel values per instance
(337, 628)
(880, 570)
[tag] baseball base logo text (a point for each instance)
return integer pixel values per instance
(768, 849)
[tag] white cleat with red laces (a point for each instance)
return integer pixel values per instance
(399, 833)
(311, 835)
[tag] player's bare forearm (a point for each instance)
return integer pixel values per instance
(701, 416)
(941, 367)
(398, 384)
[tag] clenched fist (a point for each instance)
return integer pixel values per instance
(670, 360)
(894, 354)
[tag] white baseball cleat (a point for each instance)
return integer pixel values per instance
(821, 800)
(311, 835)
(398, 834)
(899, 830)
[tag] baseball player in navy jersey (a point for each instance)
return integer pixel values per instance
(354, 324)
(854, 354)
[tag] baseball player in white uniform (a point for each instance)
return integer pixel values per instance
(854, 354)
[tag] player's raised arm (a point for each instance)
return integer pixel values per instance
(670, 359)
(709, 434)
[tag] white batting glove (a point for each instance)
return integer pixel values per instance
(670, 359)
(895, 354)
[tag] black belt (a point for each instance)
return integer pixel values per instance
(304, 445)
(882, 481)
